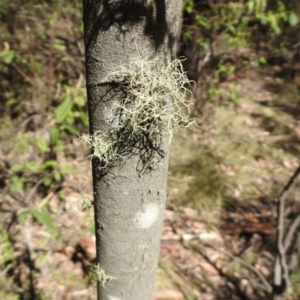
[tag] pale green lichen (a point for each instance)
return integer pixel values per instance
(156, 102)
(156, 96)
(102, 147)
(83, 203)
(97, 274)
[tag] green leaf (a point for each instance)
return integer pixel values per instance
(57, 175)
(42, 145)
(32, 166)
(202, 21)
(293, 19)
(59, 45)
(66, 169)
(44, 202)
(262, 60)
(23, 217)
(70, 89)
(70, 129)
(54, 135)
(79, 100)
(7, 252)
(47, 180)
(17, 167)
(61, 194)
(23, 143)
(231, 28)
(63, 110)
(274, 24)
(49, 163)
(84, 118)
(203, 44)
(7, 56)
(70, 119)
(188, 5)
(16, 183)
(12, 102)
(250, 6)
(188, 34)
(44, 218)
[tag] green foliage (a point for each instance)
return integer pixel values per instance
(16, 183)
(71, 110)
(44, 218)
(232, 18)
(6, 251)
(70, 115)
(275, 19)
(67, 115)
(188, 5)
(226, 27)
(43, 108)
(50, 170)
(41, 215)
(7, 57)
(32, 82)
(63, 110)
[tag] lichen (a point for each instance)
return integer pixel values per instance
(97, 274)
(156, 102)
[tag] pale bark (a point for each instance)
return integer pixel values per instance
(129, 202)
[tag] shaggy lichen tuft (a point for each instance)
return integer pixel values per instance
(157, 99)
(155, 102)
(97, 274)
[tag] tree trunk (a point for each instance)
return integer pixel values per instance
(129, 195)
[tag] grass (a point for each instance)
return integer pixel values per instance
(194, 178)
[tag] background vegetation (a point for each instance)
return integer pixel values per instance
(224, 174)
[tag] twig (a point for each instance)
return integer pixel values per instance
(20, 71)
(232, 279)
(266, 286)
(202, 63)
(290, 232)
(293, 259)
(280, 266)
(33, 191)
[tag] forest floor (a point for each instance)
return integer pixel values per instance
(218, 239)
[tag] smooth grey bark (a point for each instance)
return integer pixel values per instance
(128, 201)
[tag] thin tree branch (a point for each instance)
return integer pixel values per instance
(280, 270)
(290, 232)
(33, 191)
(293, 259)
(266, 286)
